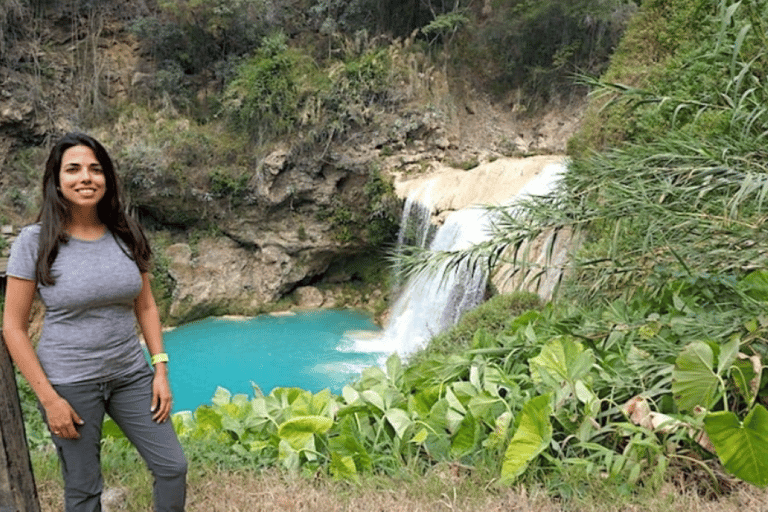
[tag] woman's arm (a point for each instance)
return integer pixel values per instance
(19, 294)
(149, 323)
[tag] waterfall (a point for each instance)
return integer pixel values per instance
(430, 303)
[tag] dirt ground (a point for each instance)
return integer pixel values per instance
(440, 491)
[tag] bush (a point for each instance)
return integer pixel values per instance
(263, 98)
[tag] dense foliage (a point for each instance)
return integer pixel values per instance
(666, 300)
(652, 357)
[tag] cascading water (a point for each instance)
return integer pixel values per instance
(430, 303)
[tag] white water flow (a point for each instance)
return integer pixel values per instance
(430, 303)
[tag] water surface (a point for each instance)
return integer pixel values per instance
(300, 350)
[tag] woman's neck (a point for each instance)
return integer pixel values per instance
(85, 226)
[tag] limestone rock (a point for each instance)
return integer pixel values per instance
(113, 499)
(309, 297)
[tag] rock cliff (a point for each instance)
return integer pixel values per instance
(297, 210)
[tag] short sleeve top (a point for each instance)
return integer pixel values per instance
(89, 330)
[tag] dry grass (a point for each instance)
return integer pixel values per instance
(441, 490)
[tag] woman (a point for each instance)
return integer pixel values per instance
(89, 262)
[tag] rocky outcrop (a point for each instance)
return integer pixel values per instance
(298, 209)
(538, 266)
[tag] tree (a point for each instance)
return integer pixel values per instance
(17, 483)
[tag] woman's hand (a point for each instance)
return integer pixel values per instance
(62, 419)
(161, 394)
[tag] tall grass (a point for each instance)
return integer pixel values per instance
(672, 223)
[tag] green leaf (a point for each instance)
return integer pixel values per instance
(562, 360)
(453, 401)
(349, 441)
(694, 382)
(232, 424)
(183, 422)
(747, 378)
(373, 398)
(288, 455)
(756, 285)
(500, 430)
(299, 432)
(420, 437)
(394, 367)
(741, 446)
(728, 354)
(465, 437)
(533, 434)
(221, 396)
(399, 420)
(480, 406)
(349, 394)
(207, 418)
(342, 467)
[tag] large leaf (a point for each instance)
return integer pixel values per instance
(695, 382)
(399, 420)
(298, 432)
(533, 434)
(561, 360)
(741, 446)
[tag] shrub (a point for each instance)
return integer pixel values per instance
(263, 98)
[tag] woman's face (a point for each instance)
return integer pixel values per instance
(81, 178)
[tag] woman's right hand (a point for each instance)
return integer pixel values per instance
(62, 419)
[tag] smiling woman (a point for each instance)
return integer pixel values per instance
(89, 262)
(81, 179)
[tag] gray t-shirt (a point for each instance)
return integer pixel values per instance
(89, 331)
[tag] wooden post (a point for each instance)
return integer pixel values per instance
(17, 483)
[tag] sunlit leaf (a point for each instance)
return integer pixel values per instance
(729, 351)
(562, 360)
(399, 420)
(373, 398)
(498, 435)
(183, 422)
(221, 396)
(420, 436)
(465, 437)
(299, 432)
(741, 446)
(533, 434)
(394, 367)
(288, 455)
(342, 467)
(207, 418)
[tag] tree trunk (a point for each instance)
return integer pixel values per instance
(17, 483)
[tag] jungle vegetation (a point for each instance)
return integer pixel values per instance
(649, 364)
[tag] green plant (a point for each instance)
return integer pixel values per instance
(263, 99)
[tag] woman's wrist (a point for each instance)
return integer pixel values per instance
(160, 357)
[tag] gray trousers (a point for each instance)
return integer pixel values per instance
(126, 400)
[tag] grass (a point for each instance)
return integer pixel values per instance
(444, 487)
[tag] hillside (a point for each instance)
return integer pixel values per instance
(641, 385)
(276, 146)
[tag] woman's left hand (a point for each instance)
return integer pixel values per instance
(162, 401)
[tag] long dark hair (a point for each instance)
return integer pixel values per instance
(55, 211)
